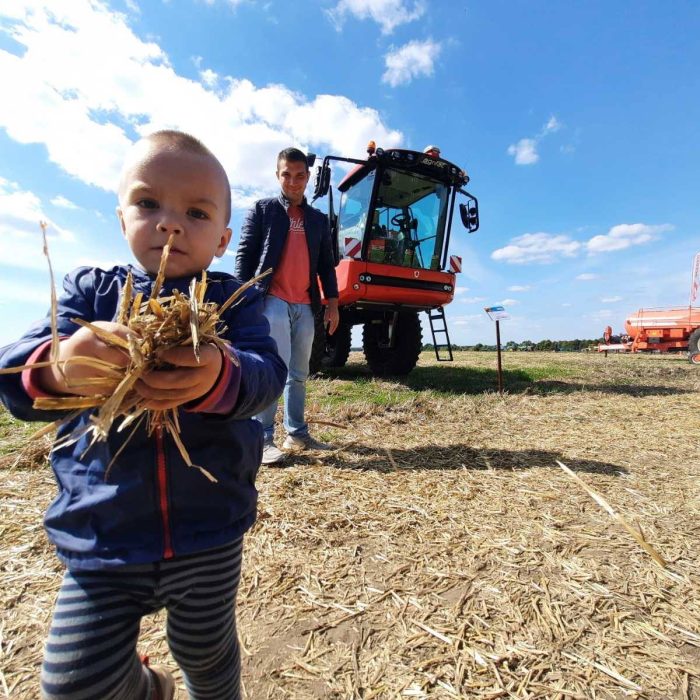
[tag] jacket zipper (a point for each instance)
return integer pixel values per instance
(163, 494)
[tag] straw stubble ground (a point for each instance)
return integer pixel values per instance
(439, 551)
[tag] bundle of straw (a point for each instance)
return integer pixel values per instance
(154, 324)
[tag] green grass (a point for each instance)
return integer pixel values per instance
(450, 379)
(334, 393)
(354, 381)
(475, 373)
(14, 433)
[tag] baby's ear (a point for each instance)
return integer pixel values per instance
(223, 243)
(121, 219)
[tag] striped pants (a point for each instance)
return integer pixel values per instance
(91, 650)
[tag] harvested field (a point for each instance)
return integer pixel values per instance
(440, 551)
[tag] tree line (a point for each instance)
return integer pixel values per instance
(576, 345)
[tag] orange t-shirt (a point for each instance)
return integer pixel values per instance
(290, 281)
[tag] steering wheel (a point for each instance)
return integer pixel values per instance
(401, 220)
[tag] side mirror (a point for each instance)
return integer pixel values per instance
(322, 181)
(469, 213)
(310, 160)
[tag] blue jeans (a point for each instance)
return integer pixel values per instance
(292, 327)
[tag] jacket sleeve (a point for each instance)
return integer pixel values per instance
(326, 263)
(249, 244)
(262, 371)
(75, 302)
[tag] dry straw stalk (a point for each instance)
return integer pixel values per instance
(154, 325)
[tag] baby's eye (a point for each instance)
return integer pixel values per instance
(197, 214)
(147, 203)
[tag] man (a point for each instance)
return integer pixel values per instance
(292, 238)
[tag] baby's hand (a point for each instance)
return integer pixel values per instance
(186, 381)
(80, 378)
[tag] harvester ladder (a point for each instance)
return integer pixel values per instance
(438, 327)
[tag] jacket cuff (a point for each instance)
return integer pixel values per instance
(223, 395)
(30, 380)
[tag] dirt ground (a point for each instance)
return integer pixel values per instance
(440, 551)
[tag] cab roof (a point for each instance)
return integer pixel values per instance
(410, 161)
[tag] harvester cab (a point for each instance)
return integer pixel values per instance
(390, 239)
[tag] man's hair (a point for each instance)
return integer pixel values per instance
(179, 140)
(292, 155)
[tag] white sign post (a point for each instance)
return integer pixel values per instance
(498, 314)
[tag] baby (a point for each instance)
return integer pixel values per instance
(153, 533)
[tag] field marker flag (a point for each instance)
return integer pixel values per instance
(695, 283)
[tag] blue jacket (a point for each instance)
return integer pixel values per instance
(152, 505)
(263, 235)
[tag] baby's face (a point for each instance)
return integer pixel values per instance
(174, 191)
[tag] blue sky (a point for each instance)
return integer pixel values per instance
(577, 122)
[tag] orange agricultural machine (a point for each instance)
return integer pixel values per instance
(662, 330)
(659, 330)
(391, 237)
(666, 330)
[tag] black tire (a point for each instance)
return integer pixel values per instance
(400, 359)
(329, 351)
(694, 347)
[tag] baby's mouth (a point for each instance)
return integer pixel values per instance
(173, 251)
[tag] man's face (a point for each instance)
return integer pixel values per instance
(293, 177)
(180, 192)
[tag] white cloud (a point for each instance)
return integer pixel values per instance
(537, 248)
(551, 126)
(518, 288)
(548, 248)
(78, 107)
(610, 300)
(525, 152)
(388, 14)
(243, 198)
(209, 77)
(20, 233)
(473, 300)
(21, 211)
(412, 60)
(63, 203)
(509, 302)
(232, 3)
(624, 236)
(586, 276)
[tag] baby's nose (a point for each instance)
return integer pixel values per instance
(170, 224)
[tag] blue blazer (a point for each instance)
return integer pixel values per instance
(263, 235)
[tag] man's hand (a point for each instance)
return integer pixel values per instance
(184, 381)
(80, 378)
(331, 317)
